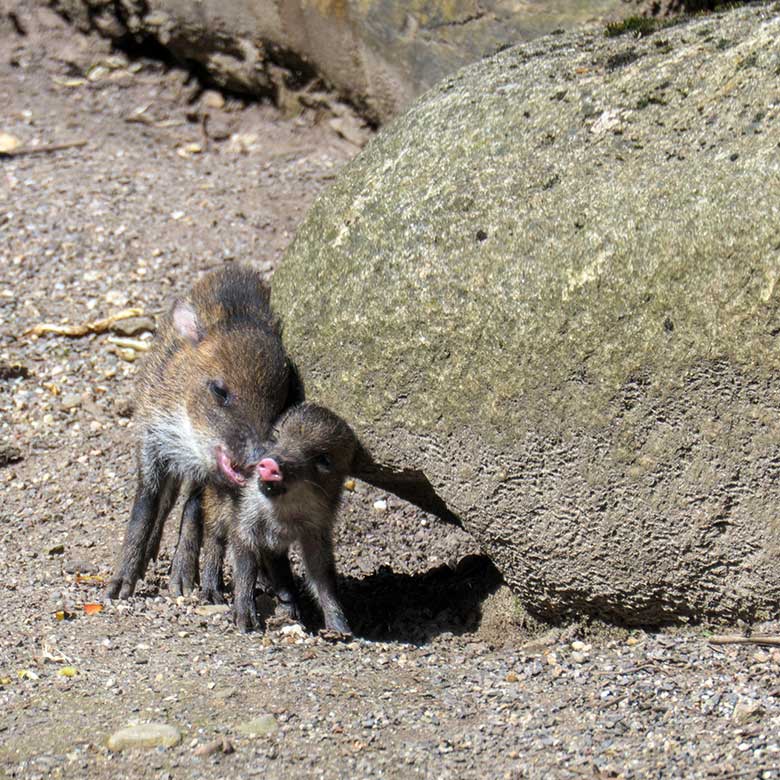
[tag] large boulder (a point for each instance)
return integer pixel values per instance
(546, 297)
(378, 54)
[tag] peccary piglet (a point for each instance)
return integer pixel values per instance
(206, 396)
(293, 499)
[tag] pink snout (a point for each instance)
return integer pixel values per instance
(269, 470)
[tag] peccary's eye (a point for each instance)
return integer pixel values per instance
(219, 391)
(323, 463)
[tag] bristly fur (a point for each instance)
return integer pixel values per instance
(206, 394)
(314, 450)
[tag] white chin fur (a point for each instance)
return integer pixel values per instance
(179, 444)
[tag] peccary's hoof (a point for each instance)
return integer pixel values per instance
(181, 583)
(246, 621)
(120, 588)
(212, 596)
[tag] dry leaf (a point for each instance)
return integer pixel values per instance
(5, 680)
(350, 485)
(27, 674)
(97, 326)
(93, 609)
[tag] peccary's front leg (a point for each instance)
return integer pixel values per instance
(184, 567)
(277, 567)
(244, 578)
(168, 495)
(320, 566)
(212, 584)
(154, 497)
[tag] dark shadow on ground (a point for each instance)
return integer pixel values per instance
(385, 605)
(388, 606)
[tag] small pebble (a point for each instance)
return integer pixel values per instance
(262, 726)
(144, 735)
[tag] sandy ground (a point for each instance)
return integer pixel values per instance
(447, 677)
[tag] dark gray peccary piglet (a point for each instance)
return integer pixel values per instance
(294, 499)
(206, 395)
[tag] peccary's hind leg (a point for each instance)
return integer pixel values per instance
(277, 566)
(184, 567)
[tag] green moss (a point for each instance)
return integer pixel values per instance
(638, 26)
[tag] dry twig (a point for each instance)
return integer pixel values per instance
(727, 639)
(44, 149)
(75, 331)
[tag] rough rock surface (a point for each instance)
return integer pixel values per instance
(379, 54)
(447, 678)
(550, 287)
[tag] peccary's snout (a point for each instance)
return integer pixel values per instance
(269, 470)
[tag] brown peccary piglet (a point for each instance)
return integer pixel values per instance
(207, 393)
(293, 499)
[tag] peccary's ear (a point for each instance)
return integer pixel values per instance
(185, 321)
(296, 394)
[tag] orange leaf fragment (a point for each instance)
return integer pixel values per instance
(93, 609)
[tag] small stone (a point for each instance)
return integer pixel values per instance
(580, 647)
(579, 658)
(8, 143)
(511, 677)
(58, 549)
(145, 735)
(380, 505)
(132, 326)
(222, 745)
(77, 566)
(70, 401)
(116, 298)
(9, 453)
(213, 99)
(747, 710)
(263, 726)
(123, 407)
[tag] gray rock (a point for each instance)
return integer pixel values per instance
(378, 54)
(262, 726)
(145, 735)
(546, 297)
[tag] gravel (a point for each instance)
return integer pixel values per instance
(447, 677)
